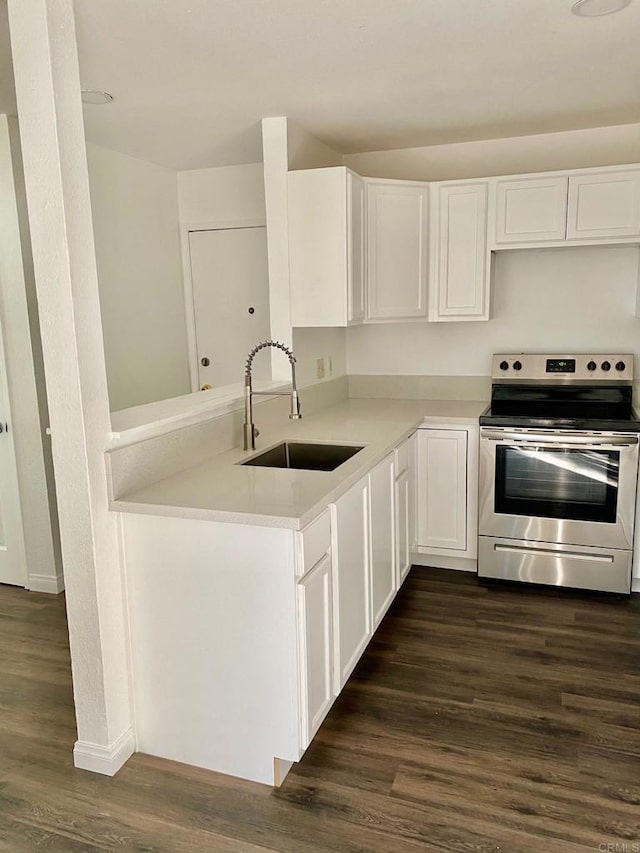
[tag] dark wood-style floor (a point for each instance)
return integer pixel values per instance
(478, 720)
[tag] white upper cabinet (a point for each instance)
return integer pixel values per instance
(595, 206)
(326, 247)
(355, 249)
(530, 210)
(397, 250)
(460, 261)
(605, 204)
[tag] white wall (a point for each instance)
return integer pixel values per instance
(574, 149)
(543, 299)
(137, 235)
(311, 344)
(236, 194)
(227, 194)
(305, 151)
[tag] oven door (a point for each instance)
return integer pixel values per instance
(558, 486)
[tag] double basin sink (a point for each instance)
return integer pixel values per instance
(304, 456)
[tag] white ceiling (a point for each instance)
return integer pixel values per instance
(192, 78)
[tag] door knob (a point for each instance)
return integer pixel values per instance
(205, 387)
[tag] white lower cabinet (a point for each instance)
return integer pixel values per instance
(402, 537)
(315, 648)
(383, 568)
(237, 671)
(351, 579)
(446, 491)
(442, 488)
(370, 542)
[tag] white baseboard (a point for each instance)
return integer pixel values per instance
(104, 759)
(635, 585)
(46, 583)
(439, 561)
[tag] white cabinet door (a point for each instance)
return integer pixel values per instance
(531, 210)
(315, 635)
(397, 250)
(605, 204)
(441, 483)
(402, 539)
(459, 286)
(351, 579)
(355, 249)
(326, 246)
(383, 571)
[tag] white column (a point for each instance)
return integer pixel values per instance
(276, 166)
(52, 134)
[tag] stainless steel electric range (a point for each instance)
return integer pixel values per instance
(559, 471)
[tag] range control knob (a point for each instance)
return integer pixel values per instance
(592, 365)
(620, 365)
(517, 365)
(605, 366)
(504, 365)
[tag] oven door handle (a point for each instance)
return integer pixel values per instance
(560, 440)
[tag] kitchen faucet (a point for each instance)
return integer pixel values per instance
(250, 432)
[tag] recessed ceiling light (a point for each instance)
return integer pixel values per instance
(95, 96)
(595, 8)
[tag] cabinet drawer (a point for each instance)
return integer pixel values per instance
(402, 458)
(314, 543)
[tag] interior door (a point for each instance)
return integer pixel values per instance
(230, 283)
(13, 568)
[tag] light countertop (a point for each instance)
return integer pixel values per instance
(220, 489)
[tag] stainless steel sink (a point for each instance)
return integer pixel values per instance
(306, 457)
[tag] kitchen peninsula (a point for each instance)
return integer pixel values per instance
(252, 592)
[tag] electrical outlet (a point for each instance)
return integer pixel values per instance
(320, 368)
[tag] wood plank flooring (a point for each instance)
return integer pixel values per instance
(480, 719)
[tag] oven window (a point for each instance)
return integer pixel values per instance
(557, 483)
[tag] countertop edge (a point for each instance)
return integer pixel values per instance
(127, 504)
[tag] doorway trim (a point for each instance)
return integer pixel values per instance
(12, 512)
(187, 280)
